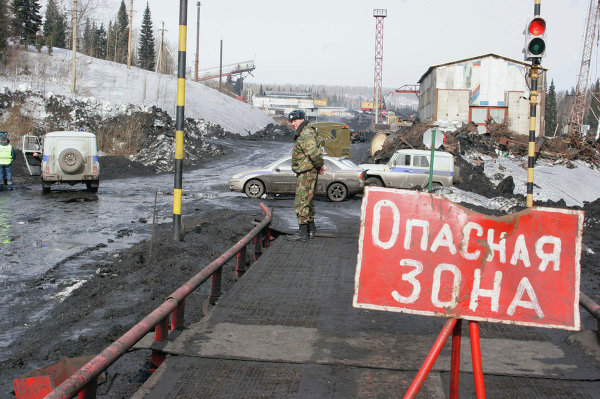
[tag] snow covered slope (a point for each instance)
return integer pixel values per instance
(114, 83)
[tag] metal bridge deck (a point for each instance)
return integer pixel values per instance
(287, 329)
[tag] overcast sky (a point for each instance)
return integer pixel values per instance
(333, 41)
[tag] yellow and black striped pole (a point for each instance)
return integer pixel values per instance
(179, 121)
(534, 75)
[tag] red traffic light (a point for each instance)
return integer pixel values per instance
(537, 27)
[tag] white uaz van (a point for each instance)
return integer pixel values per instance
(67, 157)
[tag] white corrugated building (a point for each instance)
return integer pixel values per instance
(479, 88)
(279, 103)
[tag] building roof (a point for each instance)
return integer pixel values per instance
(289, 94)
(526, 64)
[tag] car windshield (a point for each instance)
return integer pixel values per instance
(348, 163)
(331, 165)
(284, 165)
(273, 164)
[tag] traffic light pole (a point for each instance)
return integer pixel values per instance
(534, 75)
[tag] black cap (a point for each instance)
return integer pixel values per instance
(296, 114)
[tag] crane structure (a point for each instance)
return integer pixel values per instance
(379, 15)
(226, 71)
(576, 117)
(414, 89)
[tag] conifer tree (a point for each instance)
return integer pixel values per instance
(87, 37)
(54, 26)
(60, 30)
(4, 27)
(146, 55)
(94, 40)
(101, 41)
(27, 20)
(110, 53)
(122, 34)
(551, 112)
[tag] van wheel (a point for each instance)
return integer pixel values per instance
(373, 181)
(70, 160)
(337, 192)
(45, 189)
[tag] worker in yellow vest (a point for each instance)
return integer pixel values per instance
(7, 156)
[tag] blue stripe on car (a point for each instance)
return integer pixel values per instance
(421, 171)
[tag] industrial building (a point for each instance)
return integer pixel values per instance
(481, 88)
(280, 103)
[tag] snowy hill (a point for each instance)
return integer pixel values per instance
(115, 86)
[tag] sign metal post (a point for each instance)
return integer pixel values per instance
(431, 163)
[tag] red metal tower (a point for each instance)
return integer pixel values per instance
(379, 15)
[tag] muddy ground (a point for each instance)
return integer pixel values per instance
(148, 272)
(154, 268)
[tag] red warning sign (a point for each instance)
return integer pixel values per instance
(422, 254)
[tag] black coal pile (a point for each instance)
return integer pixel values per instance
(156, 146)
(143, 136)
(272, 132)
(474, 180)
(361, 122)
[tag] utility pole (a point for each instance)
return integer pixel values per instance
(74, 49)
(221, 65)
(129, 39)
(160, 50)
(197, 43)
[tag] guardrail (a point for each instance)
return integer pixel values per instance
(592, 307)
(83, 381)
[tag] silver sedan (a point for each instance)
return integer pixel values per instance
(342, 179)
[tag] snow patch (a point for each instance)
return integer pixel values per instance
(113, 89)
(552, 181)
(64, 294)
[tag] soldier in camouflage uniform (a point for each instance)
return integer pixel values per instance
(307, 163)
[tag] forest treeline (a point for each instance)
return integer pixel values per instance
(21, 23)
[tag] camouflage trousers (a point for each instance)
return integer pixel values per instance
(304, 205)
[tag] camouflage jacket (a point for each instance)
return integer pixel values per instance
(306, 154)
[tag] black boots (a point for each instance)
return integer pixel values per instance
(302, 235)
(307, 231)
(312, 230)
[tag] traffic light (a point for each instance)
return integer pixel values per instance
(535, 44)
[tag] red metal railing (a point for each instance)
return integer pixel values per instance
(84, 379)
(592, 307)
